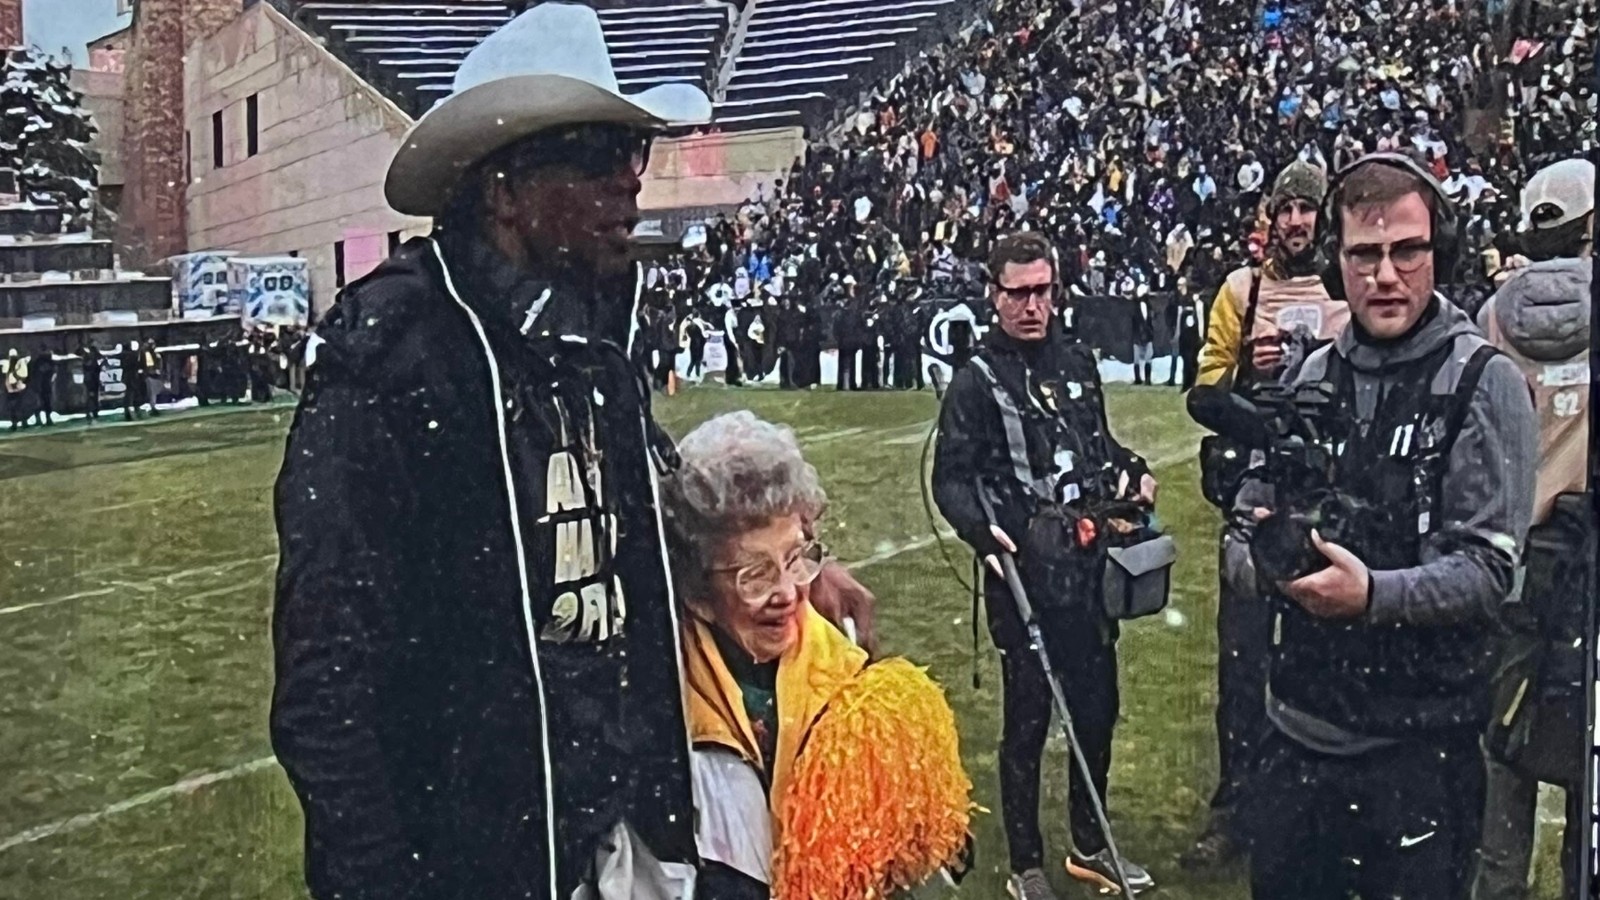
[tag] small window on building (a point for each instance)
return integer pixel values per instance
(294, 254)
(394, 241)
(252, 126)
(188, 157)
(338, 263)
(216, 139)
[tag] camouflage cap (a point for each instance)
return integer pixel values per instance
(1299, 180)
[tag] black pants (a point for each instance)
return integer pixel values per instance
(1244, 636)
(1083, 654)
(134, 398)
(846, 380)
(1401, 823)
(786, 379)
(891, 367)
(1186, 359)
(47, 400)
(697, 357)
(871, 368)
(666, 361)
(906, 359)
(91, 404)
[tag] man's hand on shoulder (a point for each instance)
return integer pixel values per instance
(838, 596)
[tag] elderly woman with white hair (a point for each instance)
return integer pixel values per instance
(797, 739)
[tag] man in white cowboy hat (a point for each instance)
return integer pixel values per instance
(471, 562)
(477, 665)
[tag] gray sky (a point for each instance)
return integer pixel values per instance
(54, 24)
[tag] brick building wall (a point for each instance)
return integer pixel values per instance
(151, 225)
(10, 23)
(313, 184)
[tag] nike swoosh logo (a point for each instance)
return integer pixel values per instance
(1412, 842)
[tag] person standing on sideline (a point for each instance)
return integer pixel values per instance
(1371, 781)
(93, 363)
(135, 388)
(1027, 363)
(477, 672)
(1189, 333)
(1541, 319)
(16, 388)
(849, 328)
(1243, 348)
(260, 355)
(694, 329)
(42, 383)
(1144, 335)
(150, 371)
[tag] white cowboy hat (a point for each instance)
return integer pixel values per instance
(546, 68)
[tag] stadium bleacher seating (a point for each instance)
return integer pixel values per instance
(799, 63)
(410, 50)
(801, 57)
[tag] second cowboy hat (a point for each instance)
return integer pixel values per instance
(546, 68)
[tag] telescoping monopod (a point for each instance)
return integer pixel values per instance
(1008, 566)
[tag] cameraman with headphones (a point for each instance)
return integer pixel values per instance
(1022, 433)
(1372, 781)
(1245, 340)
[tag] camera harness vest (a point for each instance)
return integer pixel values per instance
(1382, 680)
(1067, 538)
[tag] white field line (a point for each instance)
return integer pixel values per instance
(24, 607)
(827, 436)
(143, 586)
(217, 568)
(84, 820)
(190, 785)
(892, 552)
(148, 501)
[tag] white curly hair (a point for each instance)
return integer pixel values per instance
(738, 472)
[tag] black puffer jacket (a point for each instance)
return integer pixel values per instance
(421, 734)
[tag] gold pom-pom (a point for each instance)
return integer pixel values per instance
(878, 800)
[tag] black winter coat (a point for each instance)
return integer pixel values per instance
(419, 544)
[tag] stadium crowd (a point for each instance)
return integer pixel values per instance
(1098, 125)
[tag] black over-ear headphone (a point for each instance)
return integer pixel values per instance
(1446, 246)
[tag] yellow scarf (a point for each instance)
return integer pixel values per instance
(810, 673)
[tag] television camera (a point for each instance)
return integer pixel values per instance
(1293, 433)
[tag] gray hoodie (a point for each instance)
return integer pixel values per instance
(1543, 311)
(1540, 318)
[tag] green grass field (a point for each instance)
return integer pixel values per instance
(135, 596)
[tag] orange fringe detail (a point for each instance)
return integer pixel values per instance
(878, 800)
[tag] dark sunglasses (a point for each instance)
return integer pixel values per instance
(595, 151)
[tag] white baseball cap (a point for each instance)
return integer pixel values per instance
(1558, 194)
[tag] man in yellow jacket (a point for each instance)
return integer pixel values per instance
(1255, 309)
